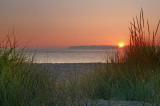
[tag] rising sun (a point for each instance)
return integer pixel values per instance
(121, 44)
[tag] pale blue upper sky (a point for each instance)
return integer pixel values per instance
(61, 23)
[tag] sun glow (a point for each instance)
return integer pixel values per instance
(121, 44)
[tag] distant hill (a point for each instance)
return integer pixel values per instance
(92, 47)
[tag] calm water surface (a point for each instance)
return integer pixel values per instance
(70, 56)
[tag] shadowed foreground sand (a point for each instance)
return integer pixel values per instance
(66, 70)
(101, 102)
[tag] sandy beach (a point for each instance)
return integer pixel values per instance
(65, 70)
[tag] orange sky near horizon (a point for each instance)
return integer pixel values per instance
(64, 23)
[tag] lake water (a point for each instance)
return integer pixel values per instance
(71, 56)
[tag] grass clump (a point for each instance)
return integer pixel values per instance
(21, 81)
(133, 74)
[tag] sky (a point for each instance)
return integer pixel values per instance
(64, 23)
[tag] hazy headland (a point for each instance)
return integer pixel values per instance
(94, 47)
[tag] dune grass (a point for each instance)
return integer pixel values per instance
(21, 81)
(24, 83)
(133, 75)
